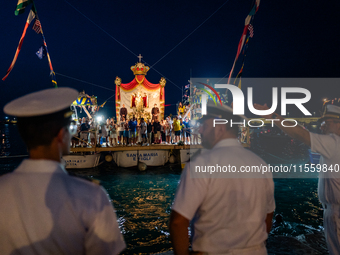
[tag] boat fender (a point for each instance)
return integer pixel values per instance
(93, 180)
(108, 158)
(172, 159)
(142, 166)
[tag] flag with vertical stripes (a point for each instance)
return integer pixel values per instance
(37, 26)
(30, 17)
(21, 6)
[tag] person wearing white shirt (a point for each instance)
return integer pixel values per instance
(229, 213)
(328, 145)
(170, 125)
(44, 209)
(120, 130)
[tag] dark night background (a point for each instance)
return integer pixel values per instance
(291, 39)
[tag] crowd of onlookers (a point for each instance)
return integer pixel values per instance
(130, 132)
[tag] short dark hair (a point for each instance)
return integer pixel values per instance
(41, 130)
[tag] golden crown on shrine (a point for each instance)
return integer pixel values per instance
(140, 69)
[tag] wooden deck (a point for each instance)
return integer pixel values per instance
(137, 147)
(132, 148)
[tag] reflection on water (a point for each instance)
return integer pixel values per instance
(297, 201)
(5, 145)
(11, 143)
(143, 200)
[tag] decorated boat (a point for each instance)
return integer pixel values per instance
(89, 105)
(140, 99)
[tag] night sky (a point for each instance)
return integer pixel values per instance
(95, 41)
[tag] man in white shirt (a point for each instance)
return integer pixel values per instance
(170, 124)
(230, 213)
(44, 210)
(328, 145)
(121, 131)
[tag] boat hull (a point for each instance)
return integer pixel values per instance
(185, 155)
(81, 161)
(133, 157)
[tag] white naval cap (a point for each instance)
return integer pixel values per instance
(220, 111)
(331, 112)
(44, 102)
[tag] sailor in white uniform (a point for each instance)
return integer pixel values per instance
(328, 145)
(230, 212)
(43, 209)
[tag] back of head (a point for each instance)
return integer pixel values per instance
(42, 114)
(36, 131)
(222, 113)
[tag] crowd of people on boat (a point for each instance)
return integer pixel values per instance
(129, 132)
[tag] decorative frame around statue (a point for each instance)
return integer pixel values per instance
(139, 96)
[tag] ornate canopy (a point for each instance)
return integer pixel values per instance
(129, 93)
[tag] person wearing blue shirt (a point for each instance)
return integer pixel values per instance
(133, 133)
(187, 131)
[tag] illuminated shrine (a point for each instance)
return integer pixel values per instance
(140, 96)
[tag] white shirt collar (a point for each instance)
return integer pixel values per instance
(40, 166)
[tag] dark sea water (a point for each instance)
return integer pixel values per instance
(143, 201)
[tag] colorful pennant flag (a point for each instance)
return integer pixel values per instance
(30, 17)
(21, 6)
(37, 26)
(187, 86)
(251, 30)
(41, 53)
(247, 22)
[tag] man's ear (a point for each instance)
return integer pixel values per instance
(220, 130)
(61, 134)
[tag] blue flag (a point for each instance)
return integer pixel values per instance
(41, 53)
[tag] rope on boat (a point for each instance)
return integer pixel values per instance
(84, 140)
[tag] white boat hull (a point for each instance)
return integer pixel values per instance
(149, 157)
(185, 155)
(81, 161)
(125, 158)
(154, 157)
